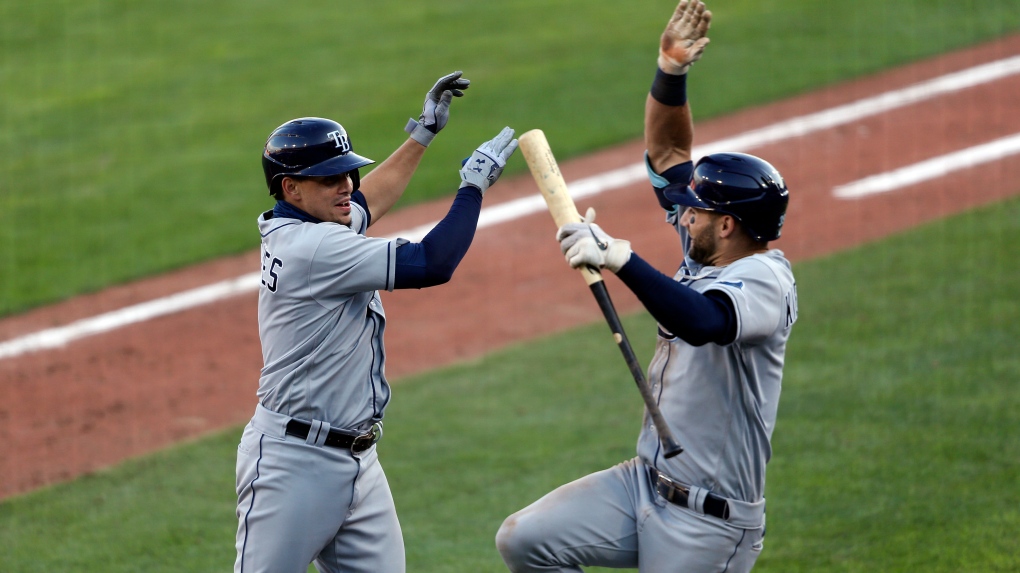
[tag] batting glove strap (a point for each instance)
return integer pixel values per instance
(617, 254)
(669, 66)
(480, 170)
(419, 132)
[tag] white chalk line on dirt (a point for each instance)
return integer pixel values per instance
(930, 168)
(588, 186)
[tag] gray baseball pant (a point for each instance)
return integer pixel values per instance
(615, 518)
(299, 502)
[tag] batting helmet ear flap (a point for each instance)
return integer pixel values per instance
(310, 147)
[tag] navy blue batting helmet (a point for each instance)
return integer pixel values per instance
(310, 147)
(744, 186)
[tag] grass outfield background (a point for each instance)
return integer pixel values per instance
(130, 131)
(896, 447)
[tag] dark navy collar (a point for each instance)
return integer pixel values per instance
(286, 210)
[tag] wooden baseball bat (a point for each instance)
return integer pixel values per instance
(550, 182)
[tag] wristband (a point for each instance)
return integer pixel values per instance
(669, 89)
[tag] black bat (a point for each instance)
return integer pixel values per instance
(669, 443)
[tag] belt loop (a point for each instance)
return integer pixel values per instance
(317, 433)
(269, 422)
(696, 499)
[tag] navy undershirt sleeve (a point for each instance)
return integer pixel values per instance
(432, 261)
(694, 317)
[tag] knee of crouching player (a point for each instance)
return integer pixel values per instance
(515, 542)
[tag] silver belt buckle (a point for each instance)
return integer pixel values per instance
(673, 487)
(365, 441)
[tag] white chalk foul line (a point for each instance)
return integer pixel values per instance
(795, 127)
(60, 336)
(930, 168)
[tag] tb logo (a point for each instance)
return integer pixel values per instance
(341, 141)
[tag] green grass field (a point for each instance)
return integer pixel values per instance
(129, 136)
(130, 131)
(896, 447)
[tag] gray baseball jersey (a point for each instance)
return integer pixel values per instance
(721, 401)
(319, 315)
(321, 323)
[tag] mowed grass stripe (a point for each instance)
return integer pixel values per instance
(895, 450)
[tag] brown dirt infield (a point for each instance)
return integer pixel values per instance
(104, 398)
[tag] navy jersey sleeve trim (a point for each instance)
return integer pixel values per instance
(389, 268)
(432, 261)
(694, 317)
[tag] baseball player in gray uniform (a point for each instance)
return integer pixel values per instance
(309, 484)
(723, 322)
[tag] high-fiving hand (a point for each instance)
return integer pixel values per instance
(486, 164)
(436, 110)
(683, 42)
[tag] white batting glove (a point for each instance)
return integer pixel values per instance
(683, 42)
(436, 110)
(486, 164)
(586, 244)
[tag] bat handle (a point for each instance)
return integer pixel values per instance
(671, 447)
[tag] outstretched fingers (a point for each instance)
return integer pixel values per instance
(684, 39)
(503, 144)
(689, 23)
(452, 83)
(508, 150)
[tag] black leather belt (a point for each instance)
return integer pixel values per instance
(677, 494)
(338, 439)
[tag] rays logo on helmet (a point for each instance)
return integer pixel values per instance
(310, 147)
(341, 140)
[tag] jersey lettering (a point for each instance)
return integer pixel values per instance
(270, 270)
(791, 306)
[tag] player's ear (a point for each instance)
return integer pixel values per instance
(289, 187)
(727, 225)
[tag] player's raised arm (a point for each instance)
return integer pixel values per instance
(432, 261)
(387, 182)
(669, 129)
